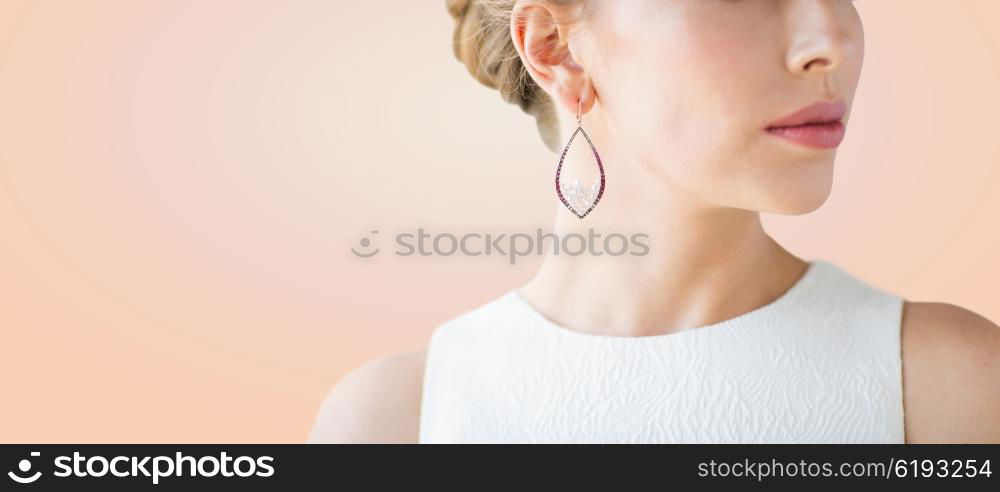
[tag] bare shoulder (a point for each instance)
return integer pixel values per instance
(377, 402)
(951, 374)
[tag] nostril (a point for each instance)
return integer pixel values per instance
(822, 62)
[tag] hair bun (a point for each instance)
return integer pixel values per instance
(468, 38)
(482, 42)
(457, 7)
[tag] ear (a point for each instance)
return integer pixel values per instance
(541, 36)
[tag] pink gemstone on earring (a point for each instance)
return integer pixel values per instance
(578, 199)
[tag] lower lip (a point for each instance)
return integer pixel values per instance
(818, 136)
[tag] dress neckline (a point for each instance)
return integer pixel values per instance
(813, 271)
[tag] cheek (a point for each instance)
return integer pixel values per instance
(721, 69)
(678, 95)
(641, 43)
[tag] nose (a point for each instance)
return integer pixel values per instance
(820, 37)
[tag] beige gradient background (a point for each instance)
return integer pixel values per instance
(181, 182)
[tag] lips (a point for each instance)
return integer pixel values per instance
(818, 125)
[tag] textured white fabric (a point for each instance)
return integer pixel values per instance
(821, 364)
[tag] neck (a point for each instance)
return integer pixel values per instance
(704, 264)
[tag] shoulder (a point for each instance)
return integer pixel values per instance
(951, 374)
(380, 401)
(377, 402)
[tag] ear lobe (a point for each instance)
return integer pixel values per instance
(579, 96)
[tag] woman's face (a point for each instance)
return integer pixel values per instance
(688, 89)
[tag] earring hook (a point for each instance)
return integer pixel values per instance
(579, 110)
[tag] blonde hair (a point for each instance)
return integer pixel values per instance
(482, 42)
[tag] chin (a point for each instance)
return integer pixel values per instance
(799, 189)
(798, 200)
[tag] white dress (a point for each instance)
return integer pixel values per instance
(821, 364)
